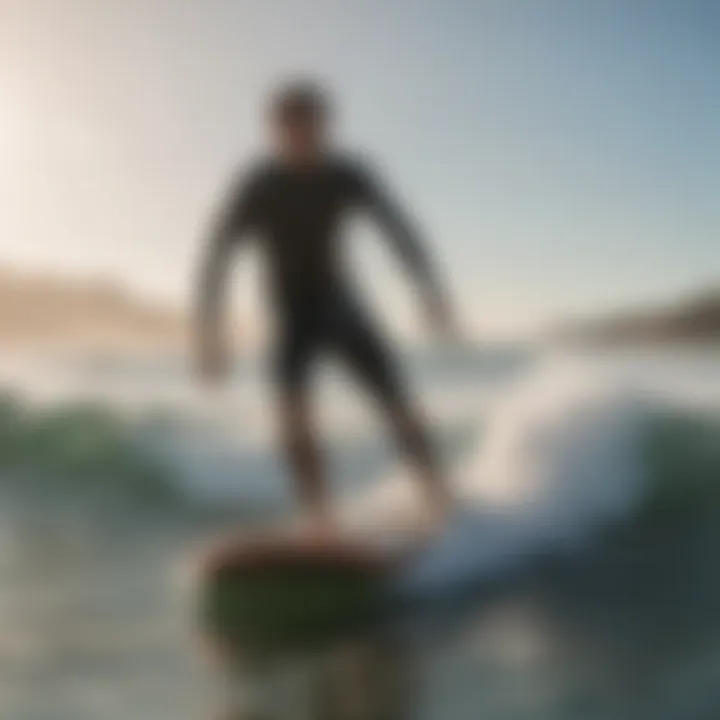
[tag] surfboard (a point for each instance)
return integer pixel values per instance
(275, 590)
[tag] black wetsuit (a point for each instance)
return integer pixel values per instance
(296, 215)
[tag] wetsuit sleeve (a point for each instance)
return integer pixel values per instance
(237, 216)
(398, 228)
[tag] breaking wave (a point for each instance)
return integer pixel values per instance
(564, 456)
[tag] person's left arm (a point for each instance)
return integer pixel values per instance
(401, 231)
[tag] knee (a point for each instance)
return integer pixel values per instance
(296, 425)
(411, 428)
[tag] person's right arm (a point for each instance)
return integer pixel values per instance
(235, 218)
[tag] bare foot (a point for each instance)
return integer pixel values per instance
(321, 529)
(434, 514)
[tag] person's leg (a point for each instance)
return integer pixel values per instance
(413, 436)
(298, 435)
(367, 354)
(303, 456)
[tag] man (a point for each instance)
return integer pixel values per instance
(294, 204)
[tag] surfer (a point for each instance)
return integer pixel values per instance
(294, 203)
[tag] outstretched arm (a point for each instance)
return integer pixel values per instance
(400, 231)
(234, 219)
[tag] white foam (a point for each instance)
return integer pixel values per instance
(560, 458)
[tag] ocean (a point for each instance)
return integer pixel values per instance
(578, 579)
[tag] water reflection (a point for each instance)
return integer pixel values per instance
(372, 678)
(94, 627)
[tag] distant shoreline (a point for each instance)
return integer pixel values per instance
(694, 320)
(44, 310)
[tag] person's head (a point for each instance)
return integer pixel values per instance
(299, 117)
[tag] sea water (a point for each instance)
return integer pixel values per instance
(578, 578)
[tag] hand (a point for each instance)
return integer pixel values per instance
(214, 363)
(441, 320)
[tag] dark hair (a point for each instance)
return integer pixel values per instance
(300, 100)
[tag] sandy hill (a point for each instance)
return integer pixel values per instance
(42, 310)
(695, 318)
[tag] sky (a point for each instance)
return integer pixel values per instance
(563, 156)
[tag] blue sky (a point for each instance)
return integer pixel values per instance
(563, 155)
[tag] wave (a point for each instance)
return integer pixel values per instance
(210, 456)
(563, 457)
(567, 456)
(683, 457)
(82, 449)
